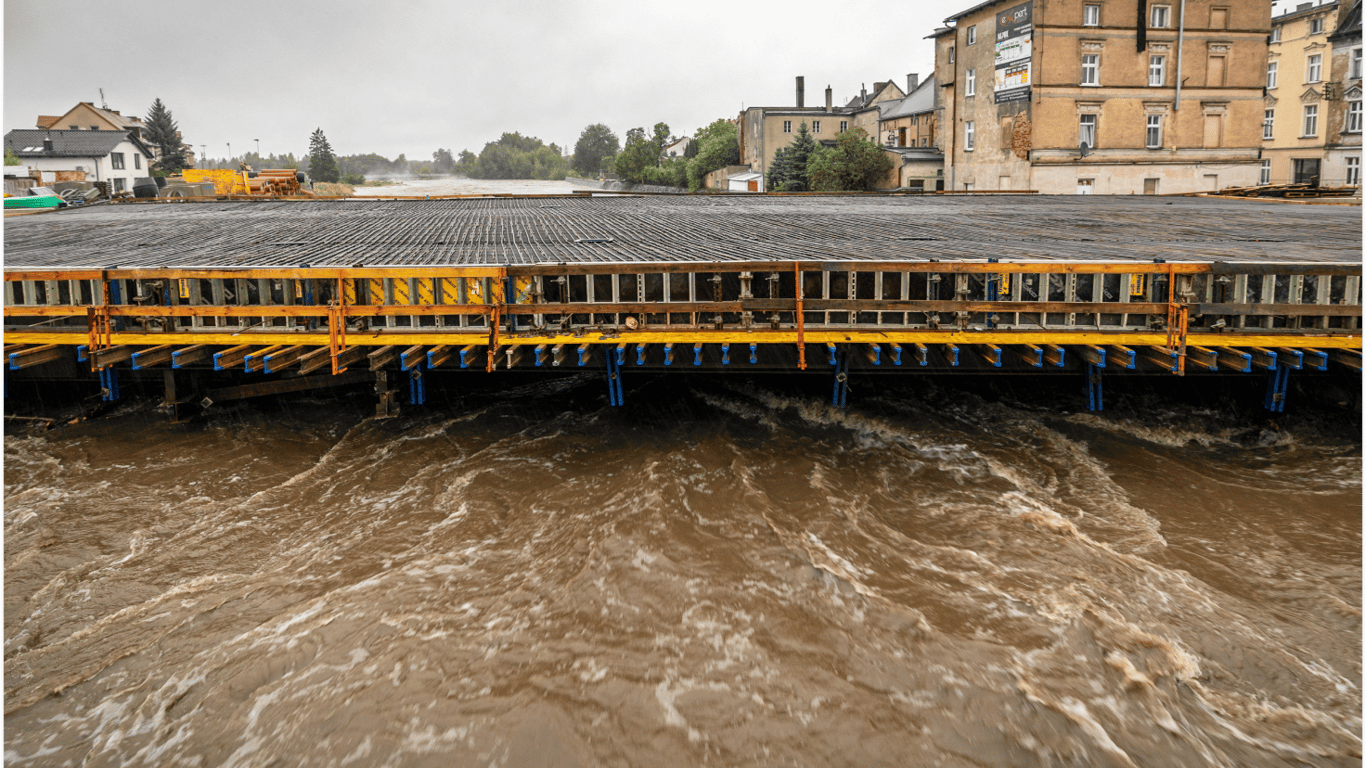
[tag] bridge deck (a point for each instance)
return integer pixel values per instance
(522, 231)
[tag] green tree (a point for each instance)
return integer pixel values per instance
(799, 154)
(165, 136)
(854, 163)
(595, 143)
(718, 145)
(443, 161)
(10, 157)
(779, 175)
(322, 164)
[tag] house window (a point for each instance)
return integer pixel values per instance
(971, 83)
(1314, 69)
(924, 141)
(1154, 131)
(1218, 18)
(1265, 177)
(1354, 116)
(1354, 65)
(952, 48)
(1275, 35)
(137, 160)
(844, 126)
(787, 126)
(1161, 16)
(1157, 70)
(815, 126)
(972, 35)
(1316, 26)
(1090, 16)
(1353, 171)
(116, 159)
(93, 127)
(1271, 75)
(1268, 124)
(1086, 130)
(118, 184)
(969, 136)
(1311, 121)
(1090, 69)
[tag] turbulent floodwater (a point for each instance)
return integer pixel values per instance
(724, 572)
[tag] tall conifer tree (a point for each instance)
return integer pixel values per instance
(165, 136)
(322, 164)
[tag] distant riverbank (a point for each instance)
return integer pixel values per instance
(453, 185)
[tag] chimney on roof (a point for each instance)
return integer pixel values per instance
(829, 99)
(47, 143)
(912, 80)
(801, 91)
(863, 92)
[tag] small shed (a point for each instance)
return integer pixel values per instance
(749, 181)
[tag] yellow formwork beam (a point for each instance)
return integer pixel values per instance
(389, 336)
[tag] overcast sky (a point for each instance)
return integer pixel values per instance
(409, 77)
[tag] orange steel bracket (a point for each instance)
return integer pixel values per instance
(801, 320)
(497, 298)
(1178, 319)
(336, 326)
(99, 323)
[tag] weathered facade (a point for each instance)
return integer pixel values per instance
(1300, 88)
(1081, 96)
(764, 130)
(1342, 150)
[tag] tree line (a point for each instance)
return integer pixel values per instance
(854, 162)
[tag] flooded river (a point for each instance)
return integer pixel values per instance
(724, 572)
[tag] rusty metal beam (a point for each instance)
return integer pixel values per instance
(152, 356)
(382, 357)
(316, 360)
(31, 356)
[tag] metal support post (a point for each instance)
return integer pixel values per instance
(1094, 393)
(109, 384)
(417, 385)
(1277, 384)
(614, 392)
(840, 395)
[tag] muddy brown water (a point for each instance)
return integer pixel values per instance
(725, 572)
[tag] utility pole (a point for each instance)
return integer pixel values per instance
(258, 149)
(230, 151)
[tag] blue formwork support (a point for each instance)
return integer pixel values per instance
(621, 355)
(1277, 384)
(877, 354)
(896, 354)
(1316, 359)
(753, 354)
(417, 385)
(1094, 392)
(614, 392)
(840, 396)
(725, 354)
(640, 354)
(834, 354)
(668, 354)
(109, 384)
(82, 353)
(583, 355)
(697, 354)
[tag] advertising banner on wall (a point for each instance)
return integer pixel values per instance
(1014, 48)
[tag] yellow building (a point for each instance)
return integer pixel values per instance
(1075, 96)
(1311, 125)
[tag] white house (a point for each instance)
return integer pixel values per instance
(748, 181)
(677, 148)
(112, 156)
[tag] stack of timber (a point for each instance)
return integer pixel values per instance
(1288, 191)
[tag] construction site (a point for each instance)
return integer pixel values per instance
(236, 299)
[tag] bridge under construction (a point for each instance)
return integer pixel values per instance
(223, 300)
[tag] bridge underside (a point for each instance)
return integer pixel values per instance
(836, 285)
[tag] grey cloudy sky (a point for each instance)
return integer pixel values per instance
(409, 77)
